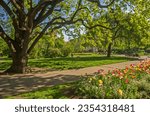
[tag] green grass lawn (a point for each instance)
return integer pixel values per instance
(56, 92)
(78, 61)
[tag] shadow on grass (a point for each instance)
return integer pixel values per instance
(92, 58)
(77, 62)
(4, 63)
(11, 85)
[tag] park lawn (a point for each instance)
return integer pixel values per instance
(64, 91)
(76, 62)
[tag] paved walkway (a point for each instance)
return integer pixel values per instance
(16, 84)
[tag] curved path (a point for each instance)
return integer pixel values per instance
(19, 83)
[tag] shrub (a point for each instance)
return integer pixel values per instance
(141, 52)
(36, 53)
(118, 51)
(147, 50)
(53, 52)
(66, 50)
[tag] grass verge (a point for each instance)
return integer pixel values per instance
(64, 91)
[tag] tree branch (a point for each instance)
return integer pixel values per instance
(41, 18)
(42, 6)
(7, 9)
(100, 5)
(7, 39)
(10, 13)
(61, 23)
(41, 34)
(19, 6)
(30, 3)
(94, 26)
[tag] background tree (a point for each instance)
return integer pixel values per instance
(123, 22)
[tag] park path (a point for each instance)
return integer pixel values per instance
(19, 83)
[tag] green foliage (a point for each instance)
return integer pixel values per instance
(50, 47)
(53, 52)
(4, 50)
(125, 26)
(4, 63)
(67, 50)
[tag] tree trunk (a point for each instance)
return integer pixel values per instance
(19, 63)
(109, 50)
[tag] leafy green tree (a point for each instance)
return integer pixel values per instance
(124, 22)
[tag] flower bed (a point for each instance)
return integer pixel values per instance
(131, 82)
